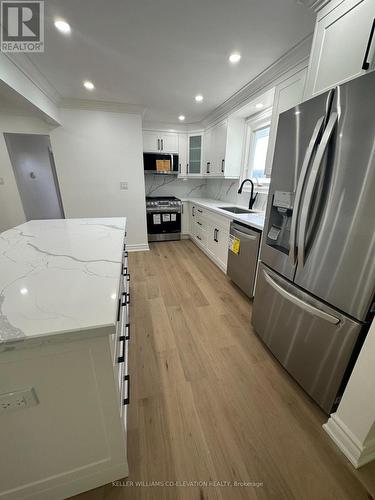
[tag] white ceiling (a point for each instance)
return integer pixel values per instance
(160, 53)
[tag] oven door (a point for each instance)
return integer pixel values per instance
(163, 226)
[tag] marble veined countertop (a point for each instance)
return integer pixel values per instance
(60, 276)
(254, 219)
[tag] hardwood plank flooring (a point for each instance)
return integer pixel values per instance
(209, 401)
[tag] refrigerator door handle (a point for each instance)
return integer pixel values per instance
(305, 165)
(300, 303)
(311, 185)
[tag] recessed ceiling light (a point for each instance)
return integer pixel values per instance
(259, 105)
(181, 118)
(24, 291)
(88, 85)
(199, 98)
(62, 26)
(235, 58)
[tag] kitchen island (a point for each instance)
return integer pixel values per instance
(64, 334)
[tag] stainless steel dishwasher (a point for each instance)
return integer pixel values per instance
(242, 262)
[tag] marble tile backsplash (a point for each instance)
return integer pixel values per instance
(216, 189)
(158, 185)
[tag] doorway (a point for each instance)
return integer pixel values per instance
(34, 169)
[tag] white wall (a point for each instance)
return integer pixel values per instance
(352, 427)
(94, 151)
(11, 211)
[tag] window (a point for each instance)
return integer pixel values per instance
(258, 152)
(258, 133)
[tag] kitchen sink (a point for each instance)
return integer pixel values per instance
(236, 210)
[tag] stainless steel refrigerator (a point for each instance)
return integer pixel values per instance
(315, 286)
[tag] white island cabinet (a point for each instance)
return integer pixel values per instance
(64, 378)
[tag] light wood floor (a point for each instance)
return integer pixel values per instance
(209, 402)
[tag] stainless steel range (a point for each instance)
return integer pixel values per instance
(163, 218)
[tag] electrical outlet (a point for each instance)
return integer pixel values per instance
(123, 185)
(18, 400)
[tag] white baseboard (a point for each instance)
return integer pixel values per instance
(348, 443)
(143, 247)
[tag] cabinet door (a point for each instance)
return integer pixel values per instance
(182, 154)
(185, 218)
(195, 154)
(208, 149)
(288, 94)
(169, 142)
(220, 144)
(340, 42)
(217, 243)
(151, 142)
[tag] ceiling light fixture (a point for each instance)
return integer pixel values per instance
(199, 98)
(235, 58)
(62, 26)
(181, 118)
(259, 105)
(88, 85)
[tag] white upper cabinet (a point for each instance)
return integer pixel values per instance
(182, 154)
(343, 46)
(223, 147)
(288, 94)
(160, 142)
(195, 151)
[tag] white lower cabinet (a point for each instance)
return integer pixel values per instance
(74, 437)
(210, 232)
(185, 219)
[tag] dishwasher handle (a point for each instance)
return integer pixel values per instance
(251, 235)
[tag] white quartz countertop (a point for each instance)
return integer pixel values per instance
(254, 219)
(60, 276)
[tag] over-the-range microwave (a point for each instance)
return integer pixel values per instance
(149, 162)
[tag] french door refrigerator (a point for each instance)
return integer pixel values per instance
(315, 287)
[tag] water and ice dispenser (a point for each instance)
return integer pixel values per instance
(278, 234)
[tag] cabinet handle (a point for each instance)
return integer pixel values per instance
(208, 167)
(216, 235)
(199, 223)
(162, 144)
(158, 144)
(179, 168)
(200, 211)
(222, 166)
(366, 64)
(182, 208)
(127, 336)
(126, 400)
(193, 211)
(187, 168)
(199, 238)
(121, 359)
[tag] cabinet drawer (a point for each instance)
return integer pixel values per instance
(201, 235)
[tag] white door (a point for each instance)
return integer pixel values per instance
(340, 44)
(185, 218)
(151, 142)
(207, 152)
(182, 154)
(169, 143)
(288, 94)
(220, 143)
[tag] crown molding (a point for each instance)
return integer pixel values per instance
(111, 106)
(297, 55)
(28, 68)
(315, 5)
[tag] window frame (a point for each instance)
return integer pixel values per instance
(253, 124)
